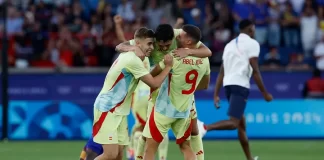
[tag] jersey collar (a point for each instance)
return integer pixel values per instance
(244, 35)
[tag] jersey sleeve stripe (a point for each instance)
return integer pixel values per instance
(156, 135)
(186, 134)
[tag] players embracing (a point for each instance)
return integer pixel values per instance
(167, 40)
(174, 102)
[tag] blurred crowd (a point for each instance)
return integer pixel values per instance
(77, 33)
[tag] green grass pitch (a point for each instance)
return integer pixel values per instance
(214, 150)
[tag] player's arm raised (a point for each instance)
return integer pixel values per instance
(119, 29)
(254, 62)
(178, 23)
(159, 74)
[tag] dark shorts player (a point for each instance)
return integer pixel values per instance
(91, 150)
(240, 63)
(237, 97)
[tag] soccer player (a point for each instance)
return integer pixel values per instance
(240, 62)
(174, 101)
(112, 105)
(165, 42)
(91, 150)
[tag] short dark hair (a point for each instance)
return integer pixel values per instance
(164, 32)
(193, 32)
(244, 24)
(143, 33)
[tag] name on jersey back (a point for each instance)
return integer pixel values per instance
(192, 62)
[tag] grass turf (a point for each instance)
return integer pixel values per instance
(214, 150)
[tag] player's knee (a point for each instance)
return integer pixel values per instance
(184, 146)
(235, 123)
(187, 151)
(241, 128)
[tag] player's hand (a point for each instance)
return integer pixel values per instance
(180, 21)
(181, 53)
(267, 96)
(216, 102)
(118, 19)
(168, 60)
(139, 53)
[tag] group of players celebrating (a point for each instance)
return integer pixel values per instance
(156, 76)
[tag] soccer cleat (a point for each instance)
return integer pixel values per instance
(256, 158)
(202, 128)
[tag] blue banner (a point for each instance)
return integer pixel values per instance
(76, 87)
(45, 120)
(277, 119)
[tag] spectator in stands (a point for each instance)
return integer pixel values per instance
(78, 13)
(308, 25)
(186, 6)
(43, 14)
(260, 14)
(272, 59)
(314, 87)
(67, 45)
(221, 36)
(109, 41)
(319, 54)
(125, 9)
(297, 63)
(51, 56)
(297, 5)
(154, 14)
(290, 23)
(241, 10)
(14, 22)
(78, 58)
(274, 24)
(89, 26)
(38, 40)
(196, 16)
(23, 50)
